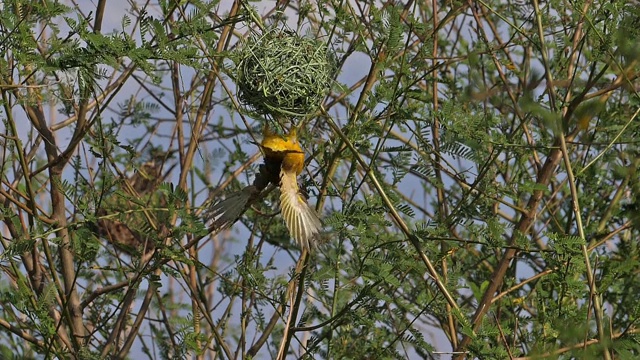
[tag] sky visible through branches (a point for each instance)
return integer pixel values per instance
(475, 171)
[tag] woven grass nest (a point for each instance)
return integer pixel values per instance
(283, 74)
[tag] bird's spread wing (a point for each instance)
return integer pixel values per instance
(302, 220)
(227, 211)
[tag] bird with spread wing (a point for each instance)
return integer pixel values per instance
(283, 162)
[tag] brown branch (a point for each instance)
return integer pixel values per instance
(97, 24)
(21, 333)
(120, 324)
(495, 282)
(562, 350)
(142, 312)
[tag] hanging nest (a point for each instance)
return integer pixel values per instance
(281, 73)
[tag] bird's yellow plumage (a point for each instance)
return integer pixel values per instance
(284, 161)
(285, 148)
(302, 220)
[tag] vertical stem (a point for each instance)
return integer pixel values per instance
(296, 298)
(442, 204)
(597, 305)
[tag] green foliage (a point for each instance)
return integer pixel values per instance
(476, 175)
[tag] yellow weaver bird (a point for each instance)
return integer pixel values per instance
(283, 162)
